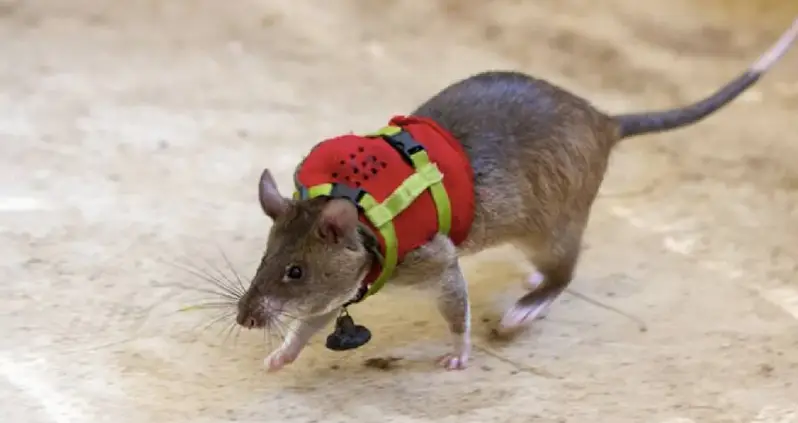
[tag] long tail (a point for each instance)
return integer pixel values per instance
(659, 121)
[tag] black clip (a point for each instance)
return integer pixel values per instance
(405, 144)
(347, 335)
(345, 191)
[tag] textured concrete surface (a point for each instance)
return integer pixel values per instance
(132, 134)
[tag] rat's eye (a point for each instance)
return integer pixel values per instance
(293, 272)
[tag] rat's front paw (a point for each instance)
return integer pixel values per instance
(279, 359)
(458, 359)
(454, 361)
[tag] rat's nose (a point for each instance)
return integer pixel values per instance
(248, 322)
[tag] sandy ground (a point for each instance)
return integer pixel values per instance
(132, 138)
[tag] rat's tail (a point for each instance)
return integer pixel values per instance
(658, 121)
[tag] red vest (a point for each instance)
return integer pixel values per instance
(372, 164)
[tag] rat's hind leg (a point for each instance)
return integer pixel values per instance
(555, 267)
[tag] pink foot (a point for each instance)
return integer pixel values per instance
(518, 315)
(533, 281)
(453, 361)
(279, 359)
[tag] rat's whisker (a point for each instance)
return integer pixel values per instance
(187, 264)
(228, 331)
(216, 294)
(205, 322)
(276, 330)
(288, 325)
(223, 278)
(282, 313)
(280, 327)
(224, 295)
(221, 292)
(232, 270)
(279, 312)
(216, 277)
(237, 333)
(210, 305)
(225, 290)
(267, 336)
(220, 317)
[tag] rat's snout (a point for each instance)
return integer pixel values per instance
(250, 314)
(251, 319)
(248, 322)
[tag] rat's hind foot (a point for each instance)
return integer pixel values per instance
(527, 308)
(533, 281)
(517, 315)
(554, 271)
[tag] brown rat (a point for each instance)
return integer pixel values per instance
(539, 155)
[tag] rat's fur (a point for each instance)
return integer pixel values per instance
(539, 155)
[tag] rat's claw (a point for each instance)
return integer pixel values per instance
(453, 361)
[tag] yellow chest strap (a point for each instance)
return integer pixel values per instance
(427, 176)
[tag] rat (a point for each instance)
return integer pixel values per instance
(538, 155)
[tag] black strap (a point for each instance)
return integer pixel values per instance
(405, 144)
(372, 246)
(359, 296)
(345, 191)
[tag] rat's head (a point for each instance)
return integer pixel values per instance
(314, 262)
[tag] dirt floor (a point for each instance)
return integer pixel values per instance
(133, 134)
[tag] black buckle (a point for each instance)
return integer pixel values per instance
(302, 191)
(345, 191)
(405, 144)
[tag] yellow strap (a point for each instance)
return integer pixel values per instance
(391, 255)
(404, 195)
(386, 130)
(439, 195)
(315, 191)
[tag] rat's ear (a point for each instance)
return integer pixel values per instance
(272, 203)
(337, 220)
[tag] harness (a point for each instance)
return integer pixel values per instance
(351, 172)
